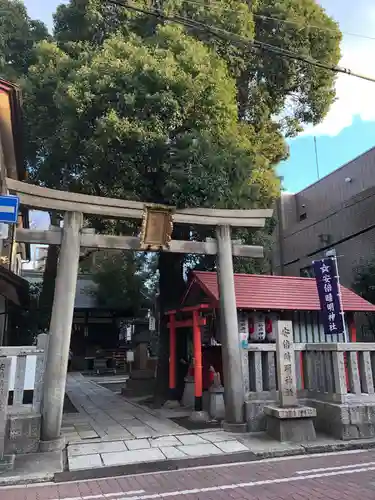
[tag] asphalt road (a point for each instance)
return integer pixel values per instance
(344, 476)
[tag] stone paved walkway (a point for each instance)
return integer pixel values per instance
(106, 415)
(110, 430)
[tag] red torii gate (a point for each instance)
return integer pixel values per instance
(195, 322)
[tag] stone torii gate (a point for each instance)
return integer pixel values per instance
(155, 236)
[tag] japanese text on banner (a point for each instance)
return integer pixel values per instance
(328, 285)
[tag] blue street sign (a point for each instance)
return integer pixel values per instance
(9, 209)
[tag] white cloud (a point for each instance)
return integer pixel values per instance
(355, 97)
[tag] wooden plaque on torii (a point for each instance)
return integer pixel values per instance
(157, 227)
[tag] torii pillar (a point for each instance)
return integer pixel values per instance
(60, 332)
(234, 393)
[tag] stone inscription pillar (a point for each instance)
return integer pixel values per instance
(286, 368)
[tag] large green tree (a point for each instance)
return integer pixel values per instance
(18, 35)
(123, 104)
(272, 88)
(123, 280)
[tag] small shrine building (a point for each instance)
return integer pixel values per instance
(194, 328)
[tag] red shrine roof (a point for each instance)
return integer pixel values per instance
(276, 293)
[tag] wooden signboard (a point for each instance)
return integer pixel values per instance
(157, 228)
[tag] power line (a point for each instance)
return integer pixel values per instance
(278, 20)
(302, 25)
(228, 36)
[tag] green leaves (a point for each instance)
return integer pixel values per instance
(89, 21)
(364, 283)
(125, 117)
(267, 83)
(125, 106)
(121, 104)
(302, 27)
(122, 280)
(18, 34)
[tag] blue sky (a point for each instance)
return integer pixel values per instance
(42, 9)
(349, 128)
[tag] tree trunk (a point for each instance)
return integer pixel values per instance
(171, 287)
(243, 94)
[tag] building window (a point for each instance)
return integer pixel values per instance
(307, 272)
(303, 216)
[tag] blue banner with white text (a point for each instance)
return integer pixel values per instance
(327, 282)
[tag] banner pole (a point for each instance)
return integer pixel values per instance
(330, 295)
(345, 332)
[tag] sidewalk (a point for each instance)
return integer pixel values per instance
(110, 430)
(106, 415)
(112, 435)
(109, 435)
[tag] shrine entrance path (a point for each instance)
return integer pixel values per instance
(111, 435)
(109, 430)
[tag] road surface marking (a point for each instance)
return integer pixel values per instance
(250, 462)
(111, 495)
(247, 485)
(338, 467)
(198, 467)
(104, 495)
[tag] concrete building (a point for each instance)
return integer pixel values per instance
(336, 212)
(38, 258)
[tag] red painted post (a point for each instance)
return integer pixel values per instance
(197, 363)
(352, 328)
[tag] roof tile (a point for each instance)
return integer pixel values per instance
(278, 293)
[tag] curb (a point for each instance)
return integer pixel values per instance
(186, 463)
(19, 480)
(149, 467)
